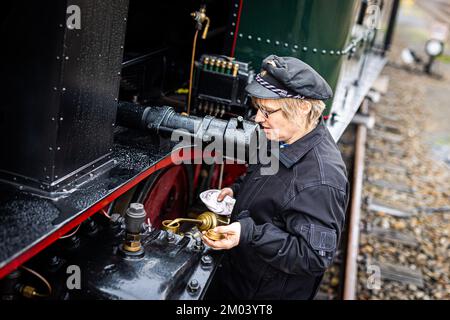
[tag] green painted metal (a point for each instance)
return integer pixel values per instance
(315, 31)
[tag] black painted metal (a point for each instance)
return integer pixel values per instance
(27, 218)
(164, 120)
(170, 266)
(59, 87)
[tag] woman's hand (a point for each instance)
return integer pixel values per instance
(230, 233)
(225, 192)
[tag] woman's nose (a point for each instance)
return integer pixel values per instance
(259, 117)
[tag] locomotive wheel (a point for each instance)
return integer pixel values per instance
(166, 194)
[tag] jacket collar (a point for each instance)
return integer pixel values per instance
(294, 152)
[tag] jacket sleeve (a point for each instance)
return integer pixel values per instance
(303, 238)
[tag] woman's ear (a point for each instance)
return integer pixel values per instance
(305, 107)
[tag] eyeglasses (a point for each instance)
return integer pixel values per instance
(266, 113)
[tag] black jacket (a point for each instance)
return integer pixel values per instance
(290, 222)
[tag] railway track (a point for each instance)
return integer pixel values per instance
(397, 239)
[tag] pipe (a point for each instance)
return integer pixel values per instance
(351, 267)
(237, 133)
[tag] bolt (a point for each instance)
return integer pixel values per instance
(206, 261)
(198, 244)
(136, 207)
(193, 286)
(170, 237)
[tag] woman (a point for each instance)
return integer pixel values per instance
(287, 225)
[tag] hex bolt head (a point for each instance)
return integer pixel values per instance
(193, 286)
(207, 261)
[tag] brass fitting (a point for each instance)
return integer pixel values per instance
(132, 243)
(28, 291)
(200, 17)
(213, 235)
(235, 69)
(206, 221)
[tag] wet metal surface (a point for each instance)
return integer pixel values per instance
(25, 219)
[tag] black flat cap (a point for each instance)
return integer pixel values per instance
(288, 77)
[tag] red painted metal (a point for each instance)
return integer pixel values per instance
(190, 155)
(168, 196)
(42, 244)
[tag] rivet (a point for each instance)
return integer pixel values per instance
(67, 58)
(234, 15)
(268, 40)
(338, 52)
(55, 88)
(50, 148)
(305, 49)
(240, 35)
(63, 89)
(286, 45)
(118, 73)
(61, 119)
(331, 52)
(258, 39)
(249, 37)
(295, 46)
(277, 42)
(231, 33)
(314, 50)
(124, 19)
(56, 177)
(58, 148)
(233, 24)
(121, 47)
(57, 57)
(324, 51)
(236, 5)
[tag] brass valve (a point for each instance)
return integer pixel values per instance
(200, 17)
(207, 221)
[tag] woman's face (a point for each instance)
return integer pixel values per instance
(275, 125)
